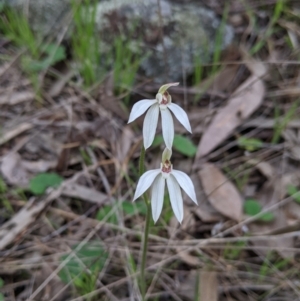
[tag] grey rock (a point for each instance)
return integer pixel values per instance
(172, 34)
(45, 16)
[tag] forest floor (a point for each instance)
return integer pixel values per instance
(69, 168)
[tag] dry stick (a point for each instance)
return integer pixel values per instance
(12, 133)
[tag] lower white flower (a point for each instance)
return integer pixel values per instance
(175, 179)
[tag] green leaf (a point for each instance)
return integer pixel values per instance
(1, 285)
(53, 54)
(92, 255)
(158, 140)
(293, 192)
(3, 186)
(250, 144)
(56, 53)
(133, 208)
(104, 211)
(182, 144)
(253, 207)
(267, 217)
(42, 181)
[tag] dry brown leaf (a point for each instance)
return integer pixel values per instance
(54, 289)
(13, 171)
(84, 193)
(244, 101)
(292, 139)
(12, 133)
(221, 193)
(20, 221)
(16, 98)
(205, 211)
(59, 84)
(38, 166)
(18, 172)
(222, 81)
(107, 99)
(124, 144)
(208, 286)
(264, 167)
(187, 286)
(269, 195)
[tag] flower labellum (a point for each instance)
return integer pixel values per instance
(157, 179)
(163, 104)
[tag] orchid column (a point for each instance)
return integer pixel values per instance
(157, 178)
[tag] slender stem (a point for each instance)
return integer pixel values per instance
(145, 247)
(142, 162)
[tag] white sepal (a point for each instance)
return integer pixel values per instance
(157, 196)
(140, 108)
(181, 115)
(167, 127)
(150, 125)
(186, 184)
(175, 197)
(166, 155)
(145, 182)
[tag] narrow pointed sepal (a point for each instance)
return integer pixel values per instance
(140, 108)
(167, 127)
(145, 182)
(186, 184)
(181, 115)
(165, 87)
(175, 197)
(150, 125)
(166, 155)
(157, 197)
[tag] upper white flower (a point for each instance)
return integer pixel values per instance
(162, 103)
(175, 179)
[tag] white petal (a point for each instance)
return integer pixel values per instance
(157, 197)
(150, 125)
(185, 183)
(181, 115)
(167, 127)
(175, 197)
(145, 182)
(140, 108)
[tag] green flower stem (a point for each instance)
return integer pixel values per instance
(142, 161)
(147, 227)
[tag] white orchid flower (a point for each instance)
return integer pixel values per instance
(163, 104)
(174, 178)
